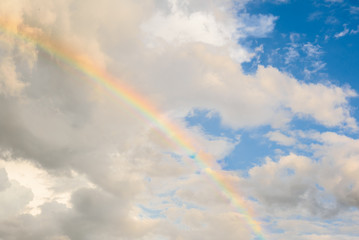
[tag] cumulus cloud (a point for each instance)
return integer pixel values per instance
(324, 184)
(181, 27)
(340, 156)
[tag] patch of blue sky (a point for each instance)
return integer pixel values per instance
(167, 198)
(254, 146)
(177, 157)
(314, 219)
(210, 123)
(319, 43)
(337, 224)
(185, 204)
(251, 150)
(170, 197)
(167, 194)
(306, 123)
(320, 188)
(314, 41)
(273, 228)
(151, 213)
(290, 172)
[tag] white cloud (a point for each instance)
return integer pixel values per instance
(279, 1)
(315, 16)
(280, 138)
(342, 33)
(324, 185)
(354, 10)
(291, 55)
(334, 1)
(180, 24)
(41, 184)
(256, 25)
(13, 197)
(180, 27)
(340, 157)
(315, 67)
(312, 50)
(356, 31)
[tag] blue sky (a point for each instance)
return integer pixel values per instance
(314, 41)
(265, 91)
(330, 26)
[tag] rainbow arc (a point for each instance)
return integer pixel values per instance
(97, 74)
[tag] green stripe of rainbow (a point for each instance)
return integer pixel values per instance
(100, 76)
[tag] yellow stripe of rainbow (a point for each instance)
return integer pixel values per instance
(143, 107)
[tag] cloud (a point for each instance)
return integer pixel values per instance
(305, 59)
(216, 225)
(10, 84)
(328, 230)
(315, 16)
(334, 1)
(286, 183)
(181, 24)
(355, 31)
(4, 180)
(181, 27)
(256, 25)
(354, 10)
(342, 33)
(44, 186)
(324, 184)
(340, 155)
(14, 197)
(279, 1)
(281, 138)
(291, 55)
(312, 50)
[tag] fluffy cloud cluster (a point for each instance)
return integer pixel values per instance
(322, 185)
(77, 163)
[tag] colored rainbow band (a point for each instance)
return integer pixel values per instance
(85, 65)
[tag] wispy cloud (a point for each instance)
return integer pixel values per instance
(355, 31)
(256, 25)
(354, 10)
(342, 33)
(315, 16)
(312, 50)
(334, 1)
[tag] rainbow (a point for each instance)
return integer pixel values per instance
(88, 67)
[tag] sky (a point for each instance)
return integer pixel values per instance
(169, 119)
